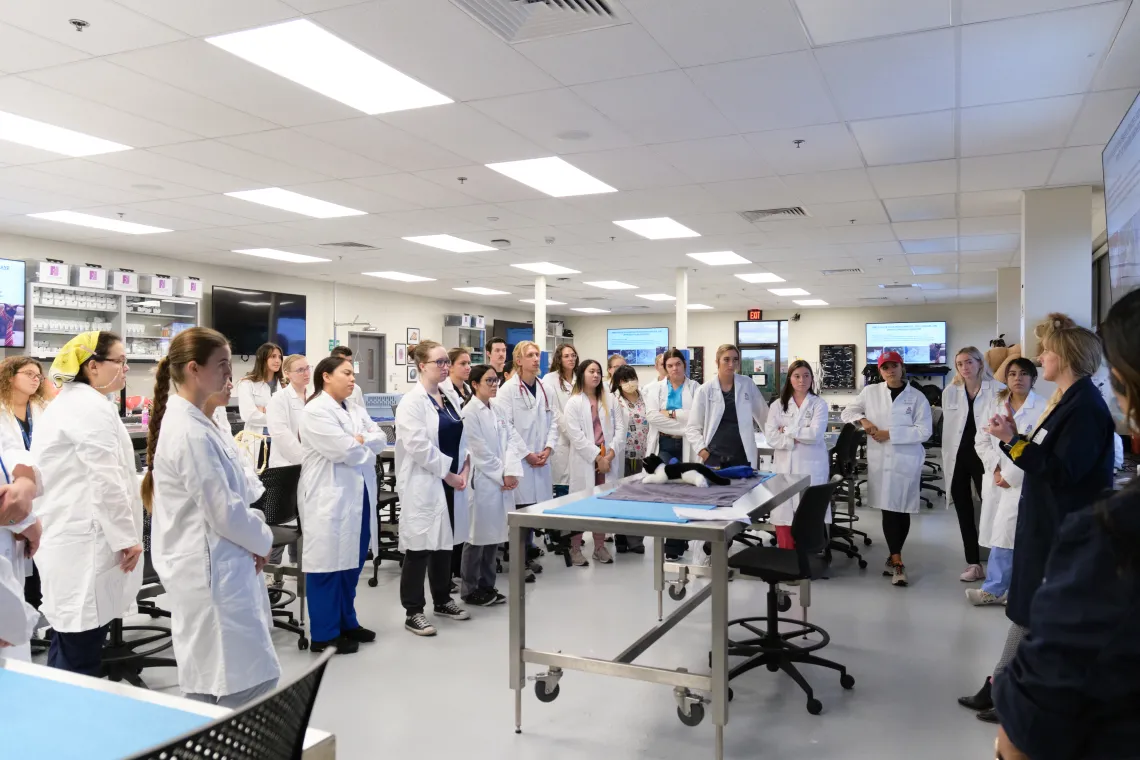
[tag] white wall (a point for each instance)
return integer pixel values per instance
(966, 325)
(390, 312)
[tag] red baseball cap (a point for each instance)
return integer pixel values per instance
(890, 356)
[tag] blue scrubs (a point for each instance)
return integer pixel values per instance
(332, 596)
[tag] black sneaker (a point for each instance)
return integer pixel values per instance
(534, 567)
(499, 598)
(529, 577)
(623, 549)
(452, 611)
(988, 716)
(419, 625)
(361, 634)
(480, 598)
(343, 646)
(637, 549)
(980, 701)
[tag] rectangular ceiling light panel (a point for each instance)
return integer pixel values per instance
(552, 176)
(273, 253)
(612, 285)
(758, 277)
(592, 310)
(449, 243)
(98, 222)
(37, 134)
(548, 302)
(789, 291)
(287, 200)
(719, 258)
(661, 228)
(483, 291)
(545, 267)
(656, 296)
(811, 302)
(400, 276)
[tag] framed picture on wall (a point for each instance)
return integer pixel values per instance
(413, 374)
(401, 353)
(413, 336)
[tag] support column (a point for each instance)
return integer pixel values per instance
(1056, 257)
(681, 333)
(1008, 305)
(540, 311)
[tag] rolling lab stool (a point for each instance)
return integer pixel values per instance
(279, 503)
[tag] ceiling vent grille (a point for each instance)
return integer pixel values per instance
(875, 298)
(523, 20)
(774, 214)
(834, 272)
(351, 245)
(897, 287)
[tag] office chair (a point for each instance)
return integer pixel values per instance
(269, 728)
(843, 534)
(388, 530)
(773, 647)
(932, 444)
(279, 504)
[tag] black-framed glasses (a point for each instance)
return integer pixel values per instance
(33, 375)
(441, 363)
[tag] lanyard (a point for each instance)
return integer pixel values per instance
(26, 434)
(4, 469)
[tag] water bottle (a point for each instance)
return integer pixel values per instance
(145, 415)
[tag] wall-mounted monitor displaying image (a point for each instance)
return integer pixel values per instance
(12, 289)
(249, 318)
(639, 346)
(1121, 163)
(916, 342)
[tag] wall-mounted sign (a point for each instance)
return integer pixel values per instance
(755, 315)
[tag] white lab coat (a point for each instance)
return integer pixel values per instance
(657, 401)
(447, 387)
(579, 422)
(894, 468)
(800, 449)
(998, 522)
(357, 397)
(954, 408)
(537, 422)
(708, 409)
(283, 419)
(251, 395)
(559, 392)
(420, 470)
(11, 434)
(15, 566)
(91, 510)
(203, 539)
(335, 470)
(496, 451)
(24, 616)
(221, 418)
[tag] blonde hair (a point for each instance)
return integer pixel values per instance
(521, 349)
(725, 348)
(290, 360)
(1079, 349)
(972, 352)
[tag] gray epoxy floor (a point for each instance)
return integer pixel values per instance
(911, 651)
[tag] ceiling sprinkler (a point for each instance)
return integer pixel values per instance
(79, 24)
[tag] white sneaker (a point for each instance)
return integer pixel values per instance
(980, 598)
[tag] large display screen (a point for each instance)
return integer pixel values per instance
(1121, 162)
(249, 318)
(638, 345)
(12, 288)
(916, 342)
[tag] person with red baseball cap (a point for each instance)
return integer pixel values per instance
(897, 419)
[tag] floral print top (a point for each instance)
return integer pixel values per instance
(636, 427)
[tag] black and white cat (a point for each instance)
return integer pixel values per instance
(693, 473)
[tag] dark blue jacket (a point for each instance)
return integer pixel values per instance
(1068, 466)
(1073, 690)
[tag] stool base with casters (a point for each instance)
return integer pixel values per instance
(388, 534)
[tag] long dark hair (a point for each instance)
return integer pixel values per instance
(1026, 366)
(786, 393)
(556, 363)
(580, 381)
(260, 371)
(621, 374)
(326, 366)
(102, 348)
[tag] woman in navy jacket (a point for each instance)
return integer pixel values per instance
(1073, 688)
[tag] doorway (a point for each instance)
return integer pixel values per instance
(368, 351)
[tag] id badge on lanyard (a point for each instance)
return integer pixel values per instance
(26, 433)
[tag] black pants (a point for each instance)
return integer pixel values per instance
(632, 467)
(896, 527)
(33, 594)
(967, 480)
(434, 566)
(672, 448)
(80, 652)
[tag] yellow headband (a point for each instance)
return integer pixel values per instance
(76, 351)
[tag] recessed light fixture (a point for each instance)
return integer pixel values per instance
(98, 222)
(449, 243)
(287, 200)
(661, 228)
(400, 276)
(592, 310)
(699, 307)
(612, 285)
(276, 255)
(811, 302)
(305, 53)
(37, 134)
(719, 258)
(545, 267)
(483, 291)
(757, 277)
(788, 291)
(548, 302)
(657, 296)
(552, 176)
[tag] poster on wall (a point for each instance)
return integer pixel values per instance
(413, 374)
(413, 336)
(401, 353)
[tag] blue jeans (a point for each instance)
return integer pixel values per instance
(998, 571)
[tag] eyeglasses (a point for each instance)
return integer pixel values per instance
(301, 370)
(491, 381)
(36, 376)
(441, 363)
(121, 361)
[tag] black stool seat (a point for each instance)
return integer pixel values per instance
(283, 535)
(773, 565)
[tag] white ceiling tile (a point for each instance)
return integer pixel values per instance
(642, 204)
(876, 250)
(417, 190)
(372, 138)
(1012, 170)
(974, 11)
(842, 214)
(24, 51)
(768, 93)
(831, 21)
(316, 6)
(461, 129)
(990, 203)
(922, 208)
(993, 258)
(234, 207)
(481, 184)
(903, 180)
(831, 187)
(259, 170)
(906, 139)
(1121, 67)
(892, 76)
(933, 259)
(615, 52)
(558, 120)
(1036, 56)
(298, 149)
(696, 32)
(551, 211)
(205, 17)
(969, 243)
(43, 200)
(182, 210)
(663, 107)
(716, 159)
(1013, 127)
(439, 45)
(931, 245)
(129, 91)
(1100, 116)
(990, 225)
(14, 177)
(1079, 166)
(90, 172)
(112, 29)
(14, 154)
(629, 168)
(711, 225)
(827, 147)
(152, 164)
(859, 233)
(354, 196)
(926, 269)
(935, 228)
(133, 213)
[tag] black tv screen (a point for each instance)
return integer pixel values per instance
(249, 318)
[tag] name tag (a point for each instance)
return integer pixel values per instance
(910, 410)
(1040, 436)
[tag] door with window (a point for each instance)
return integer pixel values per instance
(368, 357)
(764, 354)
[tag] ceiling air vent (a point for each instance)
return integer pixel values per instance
(833, 272)
(896, 286)
(353, 246)
(875, 298)
(774, 214)
(523, 20)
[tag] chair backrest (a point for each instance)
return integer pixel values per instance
(279, 502)
(846, 450)
(808, 528)
(270, 727)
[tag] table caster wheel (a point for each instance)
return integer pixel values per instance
(302, 643)
(372, 582)
(867, 541)
(677, 593)
(772, 667)
(847, 681)
(544, 695)
(785, 603)
(814, 706)
(731, 694)
(862, 564)
(695, 716)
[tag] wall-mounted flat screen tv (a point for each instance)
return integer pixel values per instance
(249, 318)
(916, 342)
(638, 345)
(1121, 164)
(12, 289)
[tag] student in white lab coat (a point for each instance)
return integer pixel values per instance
(283, 416)
(1001, 489)
(797, 422)
(496, 466)
(596, 447)
(432, 474)
(720, 428)
(344, 352)
(497, 357)
(90, 552)
(207, 545)
(457, 381)
(20, 532)
(256, 388)
(633, 428)
(896, 417)
(336, 496)
(533, 411)
(669, 403)
(963, 401)
(559, 384)
(613, 362)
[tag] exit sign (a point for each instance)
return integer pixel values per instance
(332, 345)
(755, 315)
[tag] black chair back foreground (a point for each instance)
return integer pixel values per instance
(279, 502)
(808, 528)
(846, 450)
(269, 728)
